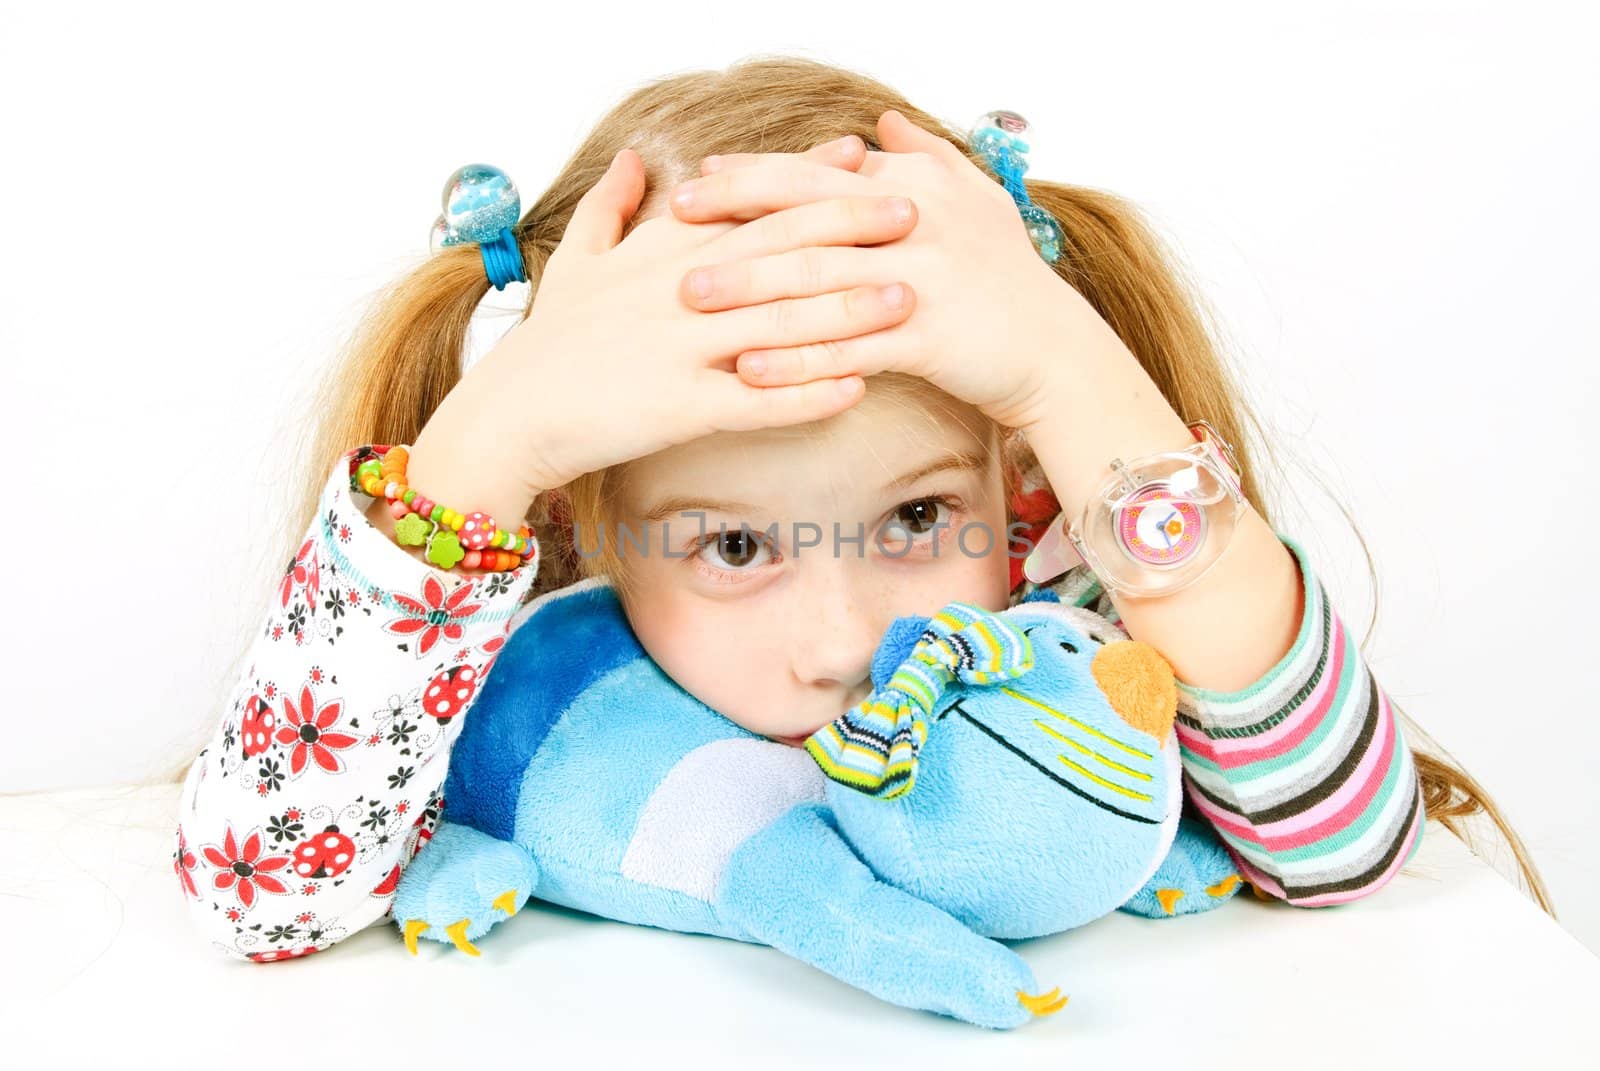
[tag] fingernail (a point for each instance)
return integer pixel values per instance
(755, 364)
(684, 197)
(894, 295)
(700, 282)
(713, 162)
(845, 387)
(846, 145)
(899, 209)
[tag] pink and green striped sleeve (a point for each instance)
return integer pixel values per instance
(1304, 772)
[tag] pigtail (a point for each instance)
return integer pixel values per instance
(1113, 258)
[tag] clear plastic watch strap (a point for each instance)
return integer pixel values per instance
(1155, 525)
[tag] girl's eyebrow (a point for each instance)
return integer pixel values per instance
(968, 461)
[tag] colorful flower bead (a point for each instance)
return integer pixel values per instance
(412, 530)
(444, 549)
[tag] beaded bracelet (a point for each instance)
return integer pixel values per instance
(423, 522)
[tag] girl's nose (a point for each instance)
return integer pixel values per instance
(835, 632)
(1139, 684)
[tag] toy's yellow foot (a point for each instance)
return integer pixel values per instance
(506, 901)
(413, 927)
(1169, 898)
(458, 937)
(1043, 1004)
(1261, 894)
(1223, 887)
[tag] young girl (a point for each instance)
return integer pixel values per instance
(872, 346)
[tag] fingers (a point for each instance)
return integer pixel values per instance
(798, 252)
(748, 192)
(847, 152)
(603, 210)
(802, 321)
(896, 133)
(740, 407)
(862, 355)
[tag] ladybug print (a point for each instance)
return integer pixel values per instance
(255, 731)
(389, 884)
(450, 692)
(282, 954)
(324, 855)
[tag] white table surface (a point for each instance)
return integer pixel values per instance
(1447, 967)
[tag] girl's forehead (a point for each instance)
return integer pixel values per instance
(858, 453)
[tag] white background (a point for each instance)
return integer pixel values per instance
(1390, 206)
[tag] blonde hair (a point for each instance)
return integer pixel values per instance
(406, 354)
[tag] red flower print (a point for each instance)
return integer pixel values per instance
(435, 616)
(184, 862)
(292, 814)
(243, 869)
(307, 732)
(302, 572)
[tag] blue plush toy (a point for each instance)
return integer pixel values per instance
(1013, 775)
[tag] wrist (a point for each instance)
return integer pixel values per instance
(1110, 409)
(465, 482)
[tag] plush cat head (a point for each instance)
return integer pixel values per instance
(1017, 769)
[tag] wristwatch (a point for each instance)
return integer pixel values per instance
(1155, 525)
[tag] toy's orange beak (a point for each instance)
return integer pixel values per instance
(1139, 684)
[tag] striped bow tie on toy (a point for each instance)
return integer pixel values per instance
(873, 746)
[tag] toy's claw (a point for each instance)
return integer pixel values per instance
(458, 937)
(1169, 898)
(1043, 1004)
(413, 927)
(1223, 887)
(506, 901)
(1261, 894)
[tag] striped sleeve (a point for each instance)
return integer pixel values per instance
(1305, 772)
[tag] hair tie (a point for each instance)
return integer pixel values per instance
(998, 138)
(481, 205)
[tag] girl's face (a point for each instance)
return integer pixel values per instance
(868, 516)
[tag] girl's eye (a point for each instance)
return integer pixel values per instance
(919, 517)
(733, 551)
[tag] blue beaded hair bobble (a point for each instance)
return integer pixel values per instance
(998, 138)
(481, 204)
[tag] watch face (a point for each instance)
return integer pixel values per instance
(1157, 528)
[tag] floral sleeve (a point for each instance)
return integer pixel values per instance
(323, 777)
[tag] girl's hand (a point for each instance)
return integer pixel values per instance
(612, 364)
(993, 321)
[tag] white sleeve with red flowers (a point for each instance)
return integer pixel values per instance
(323, 777)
